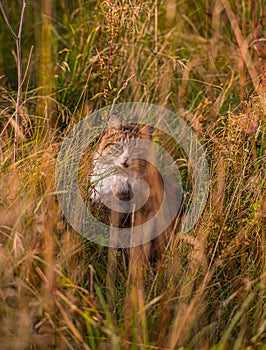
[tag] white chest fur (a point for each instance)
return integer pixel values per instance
(108, 180)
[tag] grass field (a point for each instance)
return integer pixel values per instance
(203, 60)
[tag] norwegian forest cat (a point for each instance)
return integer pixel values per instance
(127, 189)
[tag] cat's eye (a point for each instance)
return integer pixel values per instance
(137, 150)
(118, 146)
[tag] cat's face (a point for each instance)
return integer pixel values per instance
(119, 159)
(121, 146)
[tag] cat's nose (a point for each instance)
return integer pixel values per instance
(125, 162)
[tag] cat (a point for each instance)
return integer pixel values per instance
(127, 189)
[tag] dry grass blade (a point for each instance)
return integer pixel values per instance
(243, 47)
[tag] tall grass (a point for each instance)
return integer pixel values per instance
(206, 62)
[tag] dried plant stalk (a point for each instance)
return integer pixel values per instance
(17, 37)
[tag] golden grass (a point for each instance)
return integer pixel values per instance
(197, 59)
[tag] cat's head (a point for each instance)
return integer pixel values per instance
(120, 143)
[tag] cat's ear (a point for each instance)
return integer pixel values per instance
(146, 131)
(114, 122)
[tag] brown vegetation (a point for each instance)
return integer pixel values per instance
(206, 62)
